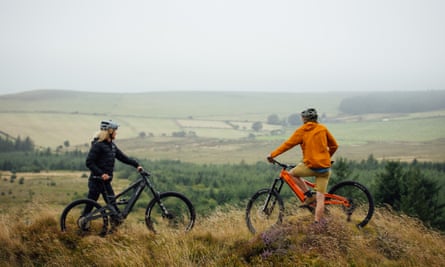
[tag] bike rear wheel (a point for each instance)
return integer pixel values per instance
(264, 209)
(74, 221)
(174, 212)
(361, 204)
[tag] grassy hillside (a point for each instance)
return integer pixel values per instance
(217, 124)
(32, 238)
(30, 235)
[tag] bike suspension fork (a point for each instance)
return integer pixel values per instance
(157, 196)
(276, 186)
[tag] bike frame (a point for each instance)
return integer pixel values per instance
(285, 176)
(138, 186)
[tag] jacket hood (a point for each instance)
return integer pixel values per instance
(309, 126)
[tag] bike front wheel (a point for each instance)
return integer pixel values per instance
(360, 206)
(173, 212)
(264, 209)
(84, 217)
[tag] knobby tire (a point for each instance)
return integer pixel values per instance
(259, 217)
(358, 195)
(181, 215)
(69, 220)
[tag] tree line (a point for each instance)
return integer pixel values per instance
(394, 102)
(8, 144)
(415, 188)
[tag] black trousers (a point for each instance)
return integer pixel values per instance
(96, 188)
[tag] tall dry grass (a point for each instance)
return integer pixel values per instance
(31, 237)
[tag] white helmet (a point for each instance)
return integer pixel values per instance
(109, 124)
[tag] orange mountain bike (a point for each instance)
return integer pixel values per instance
(266, 206)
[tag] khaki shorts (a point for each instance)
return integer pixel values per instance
(321, 179)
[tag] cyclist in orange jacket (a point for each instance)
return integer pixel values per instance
(318, 145)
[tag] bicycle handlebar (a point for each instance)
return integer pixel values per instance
(285, 166)
(274, 161)
(144, 172)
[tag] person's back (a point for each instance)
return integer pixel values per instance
(317, 145)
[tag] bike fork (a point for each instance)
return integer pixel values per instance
(164, 210)
(277, 188)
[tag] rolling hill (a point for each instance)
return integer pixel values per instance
(215, 123)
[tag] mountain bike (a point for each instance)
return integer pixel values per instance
(166, 211)
(266, 206)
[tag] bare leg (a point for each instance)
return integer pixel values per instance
(319, 208)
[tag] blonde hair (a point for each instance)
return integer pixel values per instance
(103, 135)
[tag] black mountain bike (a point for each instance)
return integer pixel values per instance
(166, 211)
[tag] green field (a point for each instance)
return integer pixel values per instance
(218, 126)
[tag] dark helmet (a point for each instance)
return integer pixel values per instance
(309, 114)
(109, 124)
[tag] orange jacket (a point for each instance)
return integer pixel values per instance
(317, 144)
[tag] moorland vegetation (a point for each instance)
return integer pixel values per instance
(32, 238)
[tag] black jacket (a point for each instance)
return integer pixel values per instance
(101, 157)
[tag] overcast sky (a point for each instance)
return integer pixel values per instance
(218, 45)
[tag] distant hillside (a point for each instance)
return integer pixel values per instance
(169, 104)
(394, 102)
(52, 118)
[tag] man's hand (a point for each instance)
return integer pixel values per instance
(105, 176)
(270, 159)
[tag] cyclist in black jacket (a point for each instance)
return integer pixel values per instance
(100, 161)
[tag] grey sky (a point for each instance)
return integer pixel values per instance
(237, 45)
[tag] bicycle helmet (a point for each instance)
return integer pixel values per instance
(309, 114)
(109, 124)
